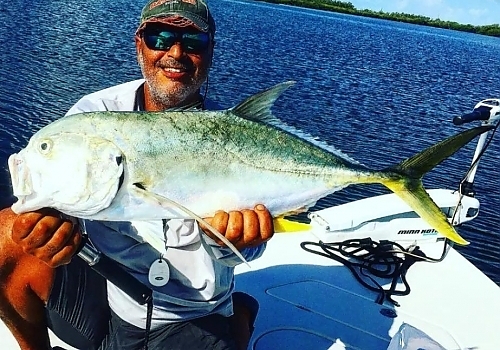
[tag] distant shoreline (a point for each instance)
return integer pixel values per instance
(348, 8)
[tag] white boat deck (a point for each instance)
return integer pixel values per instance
(311, 302)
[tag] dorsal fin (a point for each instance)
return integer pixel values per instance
(258, 106)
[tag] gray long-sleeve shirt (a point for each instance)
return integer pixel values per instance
(201, 273)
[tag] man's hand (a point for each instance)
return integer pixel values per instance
(246, 228)
(47, 235)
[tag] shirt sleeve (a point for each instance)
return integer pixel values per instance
(100, 105)
(115, 98)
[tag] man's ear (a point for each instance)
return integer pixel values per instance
(137, 40)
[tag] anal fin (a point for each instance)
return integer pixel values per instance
(282, 225)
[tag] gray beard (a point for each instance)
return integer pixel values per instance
(168, 99)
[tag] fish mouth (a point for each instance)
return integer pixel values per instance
(20, 177)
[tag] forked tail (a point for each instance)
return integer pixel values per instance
(405, 180)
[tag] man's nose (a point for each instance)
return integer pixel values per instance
(176, 50)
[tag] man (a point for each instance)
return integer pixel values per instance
(42, 285)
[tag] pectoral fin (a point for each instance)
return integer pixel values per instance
(168, 203)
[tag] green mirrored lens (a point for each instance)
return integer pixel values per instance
(160, 41)
(164, 39)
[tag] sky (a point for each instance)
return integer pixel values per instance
(475, 12)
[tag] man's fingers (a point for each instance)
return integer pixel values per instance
(24, 224)
(42, 232)
(219, 222)
(251, 228)
(64, 235)
(245, 228)
(265, 222)
(235, 226)
(47, 235)
(67, 252)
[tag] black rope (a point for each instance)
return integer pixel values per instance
(365, 257)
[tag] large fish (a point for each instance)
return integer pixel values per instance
(179, 164)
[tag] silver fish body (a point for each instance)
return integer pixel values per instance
(141, 166)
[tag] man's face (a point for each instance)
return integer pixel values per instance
(175, 63)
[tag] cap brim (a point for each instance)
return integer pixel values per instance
(190, 20)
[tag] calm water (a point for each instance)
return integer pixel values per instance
(378, 90)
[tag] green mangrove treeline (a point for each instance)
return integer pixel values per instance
(347, 7)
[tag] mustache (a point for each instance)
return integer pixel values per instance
(172, 63)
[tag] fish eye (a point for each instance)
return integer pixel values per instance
(45, 146)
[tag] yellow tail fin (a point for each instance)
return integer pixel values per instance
(405, 180)
(420, 201)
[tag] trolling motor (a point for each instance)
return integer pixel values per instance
(487, 111)
(362, 235)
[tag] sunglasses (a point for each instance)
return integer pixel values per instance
(164, 39)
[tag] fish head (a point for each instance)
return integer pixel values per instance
(75, 173)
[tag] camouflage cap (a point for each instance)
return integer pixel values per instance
(181, 13)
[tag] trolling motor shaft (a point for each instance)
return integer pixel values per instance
(488, 112)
